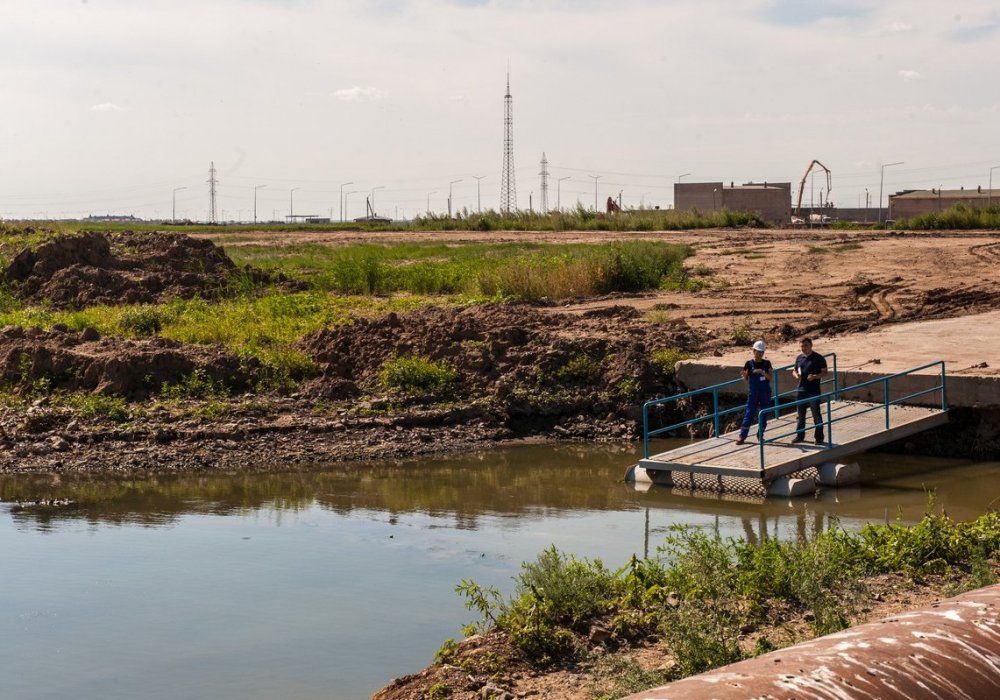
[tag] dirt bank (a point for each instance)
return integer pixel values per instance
(125, 268)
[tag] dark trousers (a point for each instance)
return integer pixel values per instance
(755, 402)
(817, 415)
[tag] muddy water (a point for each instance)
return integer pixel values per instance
(328, 583)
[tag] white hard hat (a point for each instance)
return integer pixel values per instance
(760, 346)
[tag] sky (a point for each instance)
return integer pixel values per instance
(121, 106)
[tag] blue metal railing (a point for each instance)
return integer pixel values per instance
(717, 415)
(829, 397)
(826, 398)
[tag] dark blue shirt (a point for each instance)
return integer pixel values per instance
(757, 382)
(813, 363)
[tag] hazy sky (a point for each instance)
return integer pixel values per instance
(109, 105)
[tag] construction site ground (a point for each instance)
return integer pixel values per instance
(779, 284)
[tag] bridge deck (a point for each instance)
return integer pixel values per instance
(853, 432)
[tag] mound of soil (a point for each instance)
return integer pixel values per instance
(110, 366)
(75, 271)
(554, 370)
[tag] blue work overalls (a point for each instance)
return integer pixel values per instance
(759, 397)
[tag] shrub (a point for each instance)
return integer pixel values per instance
(142, 320)
(580, 369)
(418, 375)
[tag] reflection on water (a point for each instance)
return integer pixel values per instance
(327, 583)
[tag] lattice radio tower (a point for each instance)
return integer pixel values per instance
(212, 182)
(545, 184)
(508, 190)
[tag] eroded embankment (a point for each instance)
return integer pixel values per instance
(511, 371)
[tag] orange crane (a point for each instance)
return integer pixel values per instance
(802, 185)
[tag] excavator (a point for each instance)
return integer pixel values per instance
(798, 203)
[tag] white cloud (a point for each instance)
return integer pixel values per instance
(900, 27)
(107, 107)
(909, 75)
(358, 94)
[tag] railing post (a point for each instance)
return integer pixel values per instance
(715, 412)
(836, 381)
(645, 431)
(777, 389)
(829, 420)
(944, 394)
(885, 399)
(760, 436)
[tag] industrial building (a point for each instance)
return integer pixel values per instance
(772, 201)
(910, 203)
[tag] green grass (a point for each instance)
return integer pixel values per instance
(517, 270)
(266, 328)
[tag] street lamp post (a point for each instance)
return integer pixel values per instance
(449, 195)
(346, 195)
(342, 199)
(256, 187)
(868, 203)
(291, 204)
(479, 201)
(990, 196)
(559, 192)
(682, 176)
(880, 183)
(596, 178)
(429, 200)
(173, 206)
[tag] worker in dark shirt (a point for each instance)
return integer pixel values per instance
(757, 373)
(810, 368)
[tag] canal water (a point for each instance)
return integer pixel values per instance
(330, 582)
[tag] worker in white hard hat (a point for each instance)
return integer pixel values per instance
(757, 373)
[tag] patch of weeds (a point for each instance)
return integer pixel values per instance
(418, 375)
(439, 691)
(817, 250)
(845, 247)
(628, 388)
(580, 369)
(617, 676)
(197, 385)
(658, 317)
(743, 332)
(666, 360)
(98, 406)
(735, 251)
(141, 321)
(446, 653)
(755, 256)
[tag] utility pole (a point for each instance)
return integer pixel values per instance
(596, 178)
(429, 200)
(559, 192)
(479, 201)
(880, 182)
(256, 187)
(291, 204)
(449, 195)
(173, 208)
(544, 204)
(508, 190)
(342, 199)
(212, 183)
